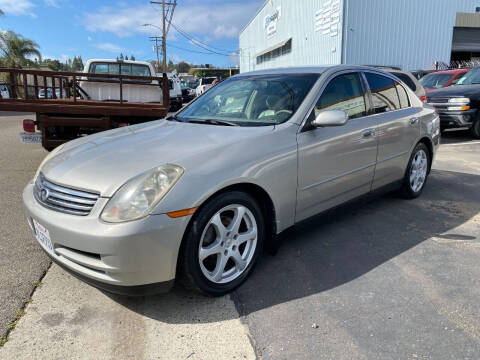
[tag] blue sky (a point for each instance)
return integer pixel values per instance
(103, 29)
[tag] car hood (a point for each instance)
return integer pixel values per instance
(104, 161)
(455, 91)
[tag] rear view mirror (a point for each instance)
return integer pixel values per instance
(331, 118)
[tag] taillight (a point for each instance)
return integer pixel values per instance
(122, 124)
(204, 87)
(423, 98)
(28, 125)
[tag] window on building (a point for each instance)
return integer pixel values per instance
(345, 92)
(275, 53)
(384, 94)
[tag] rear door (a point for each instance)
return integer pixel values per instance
(398, 127)
(336, 164)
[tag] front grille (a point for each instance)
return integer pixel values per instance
(63, 199)
(439, 100)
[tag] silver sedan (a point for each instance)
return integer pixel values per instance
(198, 195)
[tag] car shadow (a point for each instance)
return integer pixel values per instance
(457, 136)
(332, 249)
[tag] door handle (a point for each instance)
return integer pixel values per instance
(368, 133)
(413, 121)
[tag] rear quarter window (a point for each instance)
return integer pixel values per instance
(406, 79)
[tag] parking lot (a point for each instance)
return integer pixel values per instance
(381, 279)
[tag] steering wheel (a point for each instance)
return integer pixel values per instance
(288, 112)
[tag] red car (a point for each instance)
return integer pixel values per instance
(441, 79)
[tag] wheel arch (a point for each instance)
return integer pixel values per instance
(429, 144)
(263, 200)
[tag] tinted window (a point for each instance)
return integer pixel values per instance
(384, 94)
(406, 79)
(345, 92)
(403, 96)
(207, 81)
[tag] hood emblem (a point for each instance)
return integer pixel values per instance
(44, 194)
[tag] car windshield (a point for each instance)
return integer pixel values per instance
(435, 81)
(472, 77)
(252, 100)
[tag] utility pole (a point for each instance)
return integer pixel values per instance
(167, 12)
(155, 39)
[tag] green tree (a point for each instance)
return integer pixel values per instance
(170, 66)
(77, 63)
(121, 56)
(16, 49)
(132, 57)
(183, 67)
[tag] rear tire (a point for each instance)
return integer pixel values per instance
(222, 244)
(417, 172)
(475, 130)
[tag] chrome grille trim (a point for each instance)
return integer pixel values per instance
(64, 199)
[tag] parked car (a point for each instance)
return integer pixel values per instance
(41, 93)
(4, 91)
(132, 91)
(204, 84)
(410, 80)
(201, 193)
(421, 73)
(176, 99)
(459, 105)
(441, 79)
(188, 93)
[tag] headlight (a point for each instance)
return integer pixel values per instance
(138, 196)
(48, 157)
(459, 100)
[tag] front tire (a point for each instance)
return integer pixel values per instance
(417, 172)
(222, 244)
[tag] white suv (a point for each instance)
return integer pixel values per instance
(204, 84)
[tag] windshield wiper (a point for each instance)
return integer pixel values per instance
(214, 122)
(174, 118)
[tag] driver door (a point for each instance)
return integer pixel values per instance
(336, 163)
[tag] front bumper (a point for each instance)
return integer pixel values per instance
(137, 257)
(454, 119)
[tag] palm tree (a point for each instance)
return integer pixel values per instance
(16, 49)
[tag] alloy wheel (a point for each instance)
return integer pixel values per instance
(228, 243)
(418, 171)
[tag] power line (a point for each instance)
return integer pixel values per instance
(196, 51)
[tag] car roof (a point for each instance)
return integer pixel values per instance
(115, 61)
(452, 71)
(309, 70)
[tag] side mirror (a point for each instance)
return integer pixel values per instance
(331, 118)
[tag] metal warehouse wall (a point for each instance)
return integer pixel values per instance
(296, 21)
(406, 33)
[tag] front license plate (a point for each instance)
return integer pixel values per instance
(31, 138)
(43, 236)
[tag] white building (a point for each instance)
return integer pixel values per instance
(411, 34)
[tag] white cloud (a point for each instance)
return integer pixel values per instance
(53, 3)
(217, 20)
(17, 7)
(109, 47)
(89, 38)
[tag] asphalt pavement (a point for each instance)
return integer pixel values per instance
(22, 262)
(385, 278)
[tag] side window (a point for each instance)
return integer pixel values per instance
(407, 80)
(384, 94)
(345, 92)
(457, 77)
(403, 96)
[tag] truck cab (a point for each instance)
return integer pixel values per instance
(133, 90)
